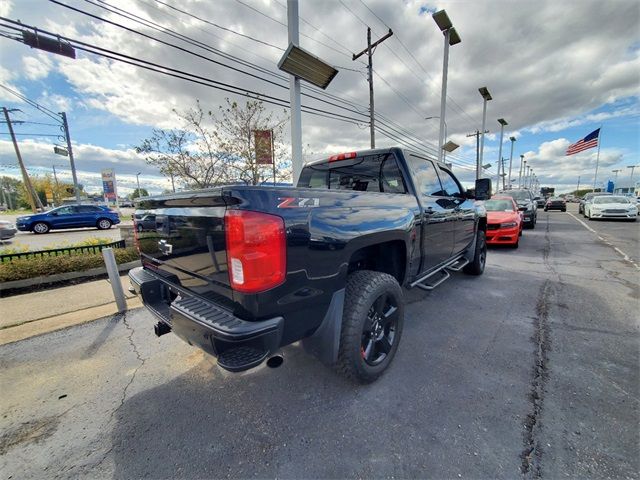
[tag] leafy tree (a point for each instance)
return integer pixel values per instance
(10, 188)
(141, 193)
(212, 150)
(45, 184)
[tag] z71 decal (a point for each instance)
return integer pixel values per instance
(295, 202)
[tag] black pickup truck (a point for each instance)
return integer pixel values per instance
(241, 271)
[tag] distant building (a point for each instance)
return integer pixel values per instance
(627, 189)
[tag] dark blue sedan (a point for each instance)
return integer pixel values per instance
(70, 216)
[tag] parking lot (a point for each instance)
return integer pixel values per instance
(529, 370)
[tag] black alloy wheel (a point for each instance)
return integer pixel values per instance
(371, 325)
(379, 330)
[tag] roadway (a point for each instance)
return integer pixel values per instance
(62, 238)
(528, 371)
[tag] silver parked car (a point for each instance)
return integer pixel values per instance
(7, 230)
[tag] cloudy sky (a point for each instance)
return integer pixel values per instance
(556, 71)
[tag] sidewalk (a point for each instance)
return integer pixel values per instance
(31, 314)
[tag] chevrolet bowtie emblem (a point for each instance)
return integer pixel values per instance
(165, 247)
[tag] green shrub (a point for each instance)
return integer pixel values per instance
(14, 248)
(21, 269)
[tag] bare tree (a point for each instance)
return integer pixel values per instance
(201, 155)
(188, 154)
(234, 134)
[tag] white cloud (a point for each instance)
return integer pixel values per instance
(37, 67)
(546, 64)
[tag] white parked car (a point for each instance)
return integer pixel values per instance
(610, 207)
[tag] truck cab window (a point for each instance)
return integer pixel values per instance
(371, 173)
(450, 187)
(426, 177)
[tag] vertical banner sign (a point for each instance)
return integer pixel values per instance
(264, 148)
(109, 185)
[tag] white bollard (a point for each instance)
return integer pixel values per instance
(114, 279)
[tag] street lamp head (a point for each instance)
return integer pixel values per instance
(486, 165)
(485, 93)
(450, 146)
(306, 66)
(454, 36)
(502, 122)
(442, 20)
(513, 139)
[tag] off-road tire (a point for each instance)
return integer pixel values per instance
(104, 224)
(364, 287)
(476, 266)
(139, 228)
(40, 228)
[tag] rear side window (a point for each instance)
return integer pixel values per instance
(87, 209)
(371, 173)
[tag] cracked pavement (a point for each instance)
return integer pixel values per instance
(528, 371)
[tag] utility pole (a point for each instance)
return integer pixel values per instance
(477, 135)
(31, 194)
(55, 178)
(369, 52)
(65, 127)
(578, 187)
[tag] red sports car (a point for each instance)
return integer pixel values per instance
(504, 221)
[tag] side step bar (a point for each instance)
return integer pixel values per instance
(455, 265)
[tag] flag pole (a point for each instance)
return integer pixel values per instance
(595, 178)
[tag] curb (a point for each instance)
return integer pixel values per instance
(61, 277)
(60, 322)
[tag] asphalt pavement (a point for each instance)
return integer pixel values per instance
(530, 370)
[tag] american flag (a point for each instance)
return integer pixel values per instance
(585, 143)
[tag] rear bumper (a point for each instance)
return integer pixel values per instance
(238, 344)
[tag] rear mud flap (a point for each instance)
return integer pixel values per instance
(325, 342)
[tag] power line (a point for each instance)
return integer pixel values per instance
(285, 25)
(221, 27)
(177, 73)
(187, 50)
(453, 102)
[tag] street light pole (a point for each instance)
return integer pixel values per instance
(138, 182)
(294, 94)
(502, 123)
(631, 186)
(451, 37)
(486, 96)
(522, 161)
(513, 140)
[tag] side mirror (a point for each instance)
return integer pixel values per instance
(483, 189)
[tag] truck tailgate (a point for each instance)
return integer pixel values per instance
(188, 241)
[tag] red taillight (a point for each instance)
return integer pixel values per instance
(342, 156)
(256, 250)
